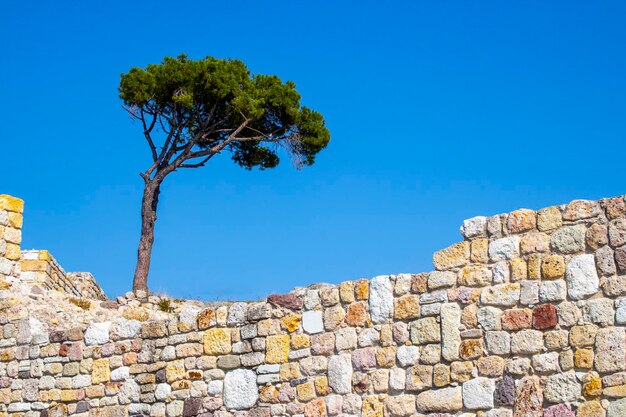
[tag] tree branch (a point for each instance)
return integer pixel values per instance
(146, 133)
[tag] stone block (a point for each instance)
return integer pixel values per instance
(452, 257)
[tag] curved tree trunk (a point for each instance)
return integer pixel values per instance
(149, 204)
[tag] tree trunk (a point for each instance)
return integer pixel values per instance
(148, 218)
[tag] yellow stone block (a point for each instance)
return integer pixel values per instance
(13, 204)
(321, 386)
(534, 266)
(54, 394)
(100, 371)
(13, 252)
(300, 341)
(16, 220)
(289, 371)
(386, 356)
(6, 303)
(362, 289)
(480, 251)
(549, 219)
(372, 407)
(291, 322)
(591, 409)
(175, 371)
(592, 384)
(277, 349)
(441, 375)
(69, 395)
(29, 265)
(553, 267)
(519, 271)
(306, 391)
(217, 342)
(407, 307)
(583, 358)
(44, 255)
(618, 391)
(7, 355)
(346, 292)
(453, 256)
(182, 384)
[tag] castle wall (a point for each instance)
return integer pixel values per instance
(525, 317)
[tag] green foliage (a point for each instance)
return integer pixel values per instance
(205, 101)
(165, 305)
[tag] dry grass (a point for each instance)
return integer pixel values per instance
(165, 304)
(79, 302)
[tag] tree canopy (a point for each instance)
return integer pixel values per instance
(205, 106)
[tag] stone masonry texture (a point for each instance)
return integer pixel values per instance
(524, 318)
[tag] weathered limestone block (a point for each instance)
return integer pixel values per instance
(356, 314)
(97, 333)
(450, 333)
(569, 239)
(610, 350)
(425, 330)
(474, 227)
(479, 251)
(444, 400)
(562, 388)
(599, 311)
(240, 389)
(504, 295)
(340, 373)
(504, 248)
(400, 405)
(419, 378)
(526, 342)
(478, 393)
(408, 355)
(381, 299)
(581, 276)
(498, 342)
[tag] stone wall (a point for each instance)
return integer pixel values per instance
(38, 267)
(11, 210)
(525, 317)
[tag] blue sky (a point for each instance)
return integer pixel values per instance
(439, 111)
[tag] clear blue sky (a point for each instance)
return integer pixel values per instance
(439, 111)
